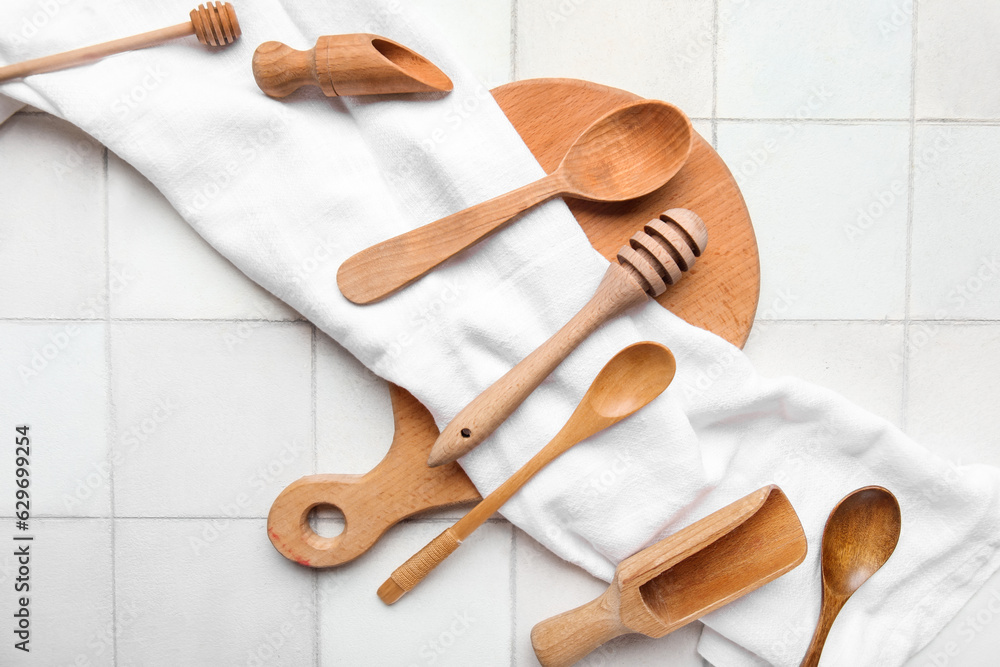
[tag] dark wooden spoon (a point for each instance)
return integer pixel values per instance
(859, 537)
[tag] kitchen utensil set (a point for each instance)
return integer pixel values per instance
(625, 153)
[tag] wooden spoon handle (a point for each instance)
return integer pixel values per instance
(617, 292)
(566, 639)
(380, 270)
(828, 614)
(418, 566)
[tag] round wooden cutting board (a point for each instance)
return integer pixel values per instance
(720, 293)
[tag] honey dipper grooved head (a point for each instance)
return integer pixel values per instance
(215, 24)
(665, 248)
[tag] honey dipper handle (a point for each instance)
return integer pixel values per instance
(617, 292)
(380, 270)
(566, 639)
(89, 54)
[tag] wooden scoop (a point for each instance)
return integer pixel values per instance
(626, 153)
(214, 25)
(681, 578)
(859, 537)
(630, 380)
(356, 64)
(655, 258)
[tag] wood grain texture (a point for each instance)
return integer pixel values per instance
(630, 380)
(858, 539)
(720, 294)
(628, 152)
(698, 569)
(353, 64)
(214, 25)
(398, 487)
(645, 267)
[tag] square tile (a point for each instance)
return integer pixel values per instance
(52, 228)
(863, 361)
(69, 596)
(209, 424)
(548, 585)
(354, 422)
(478, 32)
(969, 640)
(53, 378)
(814, 60)
(829, 208)
(661, 50)
(210, 592)
(958, 59)
(955, 268)
(459, 615)
(162, 268)
(954, 382)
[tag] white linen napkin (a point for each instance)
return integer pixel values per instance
(288, 190)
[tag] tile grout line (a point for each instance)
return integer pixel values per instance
(513, 40)
(317, 645)
(513, 595)
(908, 255)
(111, 416)
(715, 74)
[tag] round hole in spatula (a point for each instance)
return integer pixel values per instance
(326, 520)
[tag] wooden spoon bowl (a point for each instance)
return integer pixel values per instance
(627, 153)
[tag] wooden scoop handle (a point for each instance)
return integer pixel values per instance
(385, 267)
(566, 639)
(214, 25)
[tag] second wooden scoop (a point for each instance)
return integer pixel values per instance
(625, 154)
(681, 578)
(630, 380)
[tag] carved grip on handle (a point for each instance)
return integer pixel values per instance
(566, 639)
(419, 565)
(280, 70)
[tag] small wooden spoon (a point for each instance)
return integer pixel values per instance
(633, 378)
(625, 154)
(859, 537)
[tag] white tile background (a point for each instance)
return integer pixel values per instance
(865, 137)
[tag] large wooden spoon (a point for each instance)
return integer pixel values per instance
(633, 378)
(625, 154)
(859, 537)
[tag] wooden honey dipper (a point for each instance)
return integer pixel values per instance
(655, 257)
(214, 24)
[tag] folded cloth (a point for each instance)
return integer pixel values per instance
(288, 190)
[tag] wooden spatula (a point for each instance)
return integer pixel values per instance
(683, 577)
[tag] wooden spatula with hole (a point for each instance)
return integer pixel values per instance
(683, 577)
